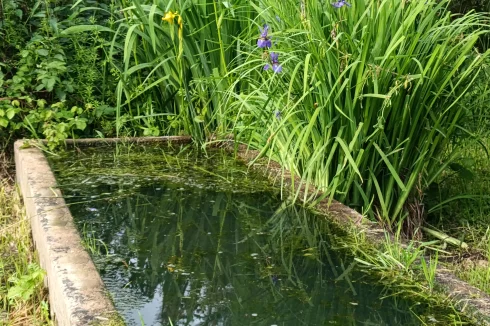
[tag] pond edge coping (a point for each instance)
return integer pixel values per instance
(467, 299)
(77, 295)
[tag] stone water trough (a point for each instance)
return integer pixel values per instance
(76, 292)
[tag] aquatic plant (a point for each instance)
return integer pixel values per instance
(371, 101)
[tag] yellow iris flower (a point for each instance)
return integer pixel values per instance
(169, 17)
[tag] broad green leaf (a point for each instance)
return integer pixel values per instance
(85, 28)
(42, 52)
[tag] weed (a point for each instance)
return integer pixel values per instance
(429, 269)
(22, 293)
(94, 246)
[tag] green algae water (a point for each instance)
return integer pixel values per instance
(183, 237)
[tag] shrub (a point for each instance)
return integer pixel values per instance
(48, 80)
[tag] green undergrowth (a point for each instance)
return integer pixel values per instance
(465, 212)
(23, 297)
(368, 104)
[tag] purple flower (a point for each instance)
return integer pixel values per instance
(264, 40)
(276, 67)
(278, 115)
(340, 4)
(274, 57)
(264, 31)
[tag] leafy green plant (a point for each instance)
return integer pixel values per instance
(49, 81)
(24, 286)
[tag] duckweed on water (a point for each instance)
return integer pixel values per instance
(190, 238)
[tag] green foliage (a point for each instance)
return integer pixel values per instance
(49, 80)
(22, 294)
(24, 286)
(172, 76)
(370, 99)
(371, 107)
(429, 269)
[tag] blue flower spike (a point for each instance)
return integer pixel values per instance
(264, 41)
(341, 3)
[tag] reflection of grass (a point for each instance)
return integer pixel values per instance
(402, 270)
(23, 298)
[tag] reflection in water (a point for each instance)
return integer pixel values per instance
(211, 249)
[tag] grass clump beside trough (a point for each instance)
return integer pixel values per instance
(463, 211)
(406, 270)
(23, 298)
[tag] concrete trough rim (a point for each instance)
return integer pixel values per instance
(467, 299)
(76, 292)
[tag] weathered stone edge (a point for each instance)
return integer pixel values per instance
(130, 140)
(76, 292)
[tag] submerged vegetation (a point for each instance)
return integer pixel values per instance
(202, 246)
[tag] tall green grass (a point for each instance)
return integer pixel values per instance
(370, 98)
(366, 108)
(171, 76)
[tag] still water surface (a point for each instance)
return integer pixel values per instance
(182, 238)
